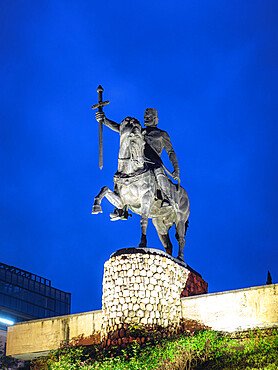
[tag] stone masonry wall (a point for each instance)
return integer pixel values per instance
(142, 285)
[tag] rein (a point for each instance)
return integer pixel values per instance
(147, 161)
(135, 160)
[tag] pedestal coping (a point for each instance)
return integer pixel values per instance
(153, 251)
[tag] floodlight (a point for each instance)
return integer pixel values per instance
(5, 321)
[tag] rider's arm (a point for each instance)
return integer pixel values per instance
(100, 117)
(170, 151)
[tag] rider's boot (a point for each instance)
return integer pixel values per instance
(125, 214)
(166, 198)
(164, 186)
(119, 214)
(115, 215)
(165, 202)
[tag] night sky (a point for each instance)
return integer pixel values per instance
(208, 67)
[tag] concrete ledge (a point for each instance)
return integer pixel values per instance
(234, 310)
(31, 339)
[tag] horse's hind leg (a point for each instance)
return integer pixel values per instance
(181, 228)
(165, 240)
(144, 225)
(113, 198)
(163, 234)
(145, 211)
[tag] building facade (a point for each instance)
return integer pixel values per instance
(26, 296)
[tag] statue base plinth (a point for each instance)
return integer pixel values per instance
(145, 286)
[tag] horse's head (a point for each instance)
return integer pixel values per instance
(136, 143)
(133, 141)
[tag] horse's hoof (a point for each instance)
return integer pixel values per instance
(169, 251)
(142, 245)
(180, 258)
(96, 209)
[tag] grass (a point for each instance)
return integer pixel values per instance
(204, 349)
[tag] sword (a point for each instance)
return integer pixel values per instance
(99, 105)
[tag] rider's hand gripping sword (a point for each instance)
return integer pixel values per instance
(99, 105)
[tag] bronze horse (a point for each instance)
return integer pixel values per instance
(137, 190)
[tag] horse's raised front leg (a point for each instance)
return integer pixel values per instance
(113, 198)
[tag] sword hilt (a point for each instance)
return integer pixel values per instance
(100, 103)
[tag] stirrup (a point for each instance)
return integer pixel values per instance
(165, 203)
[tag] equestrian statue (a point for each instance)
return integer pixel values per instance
(141, 184)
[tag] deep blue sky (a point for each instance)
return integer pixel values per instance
(208, 67)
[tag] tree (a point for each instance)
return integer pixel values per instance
(269, 278)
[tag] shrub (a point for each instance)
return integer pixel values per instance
(203, 349)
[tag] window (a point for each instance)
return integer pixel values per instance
(20, 280)
(47, 291)
(26, 283)
(2, 273)
(42, 289)
(63, 308)
(31, 285)
(24, 306)
(58, 295)
(37, 287)
(50, 304)
(16, 291)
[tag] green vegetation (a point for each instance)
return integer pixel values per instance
(204, 349)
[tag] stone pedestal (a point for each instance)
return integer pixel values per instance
(144, 286)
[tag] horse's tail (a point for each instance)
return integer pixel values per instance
(182, 204)
(186, 225)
